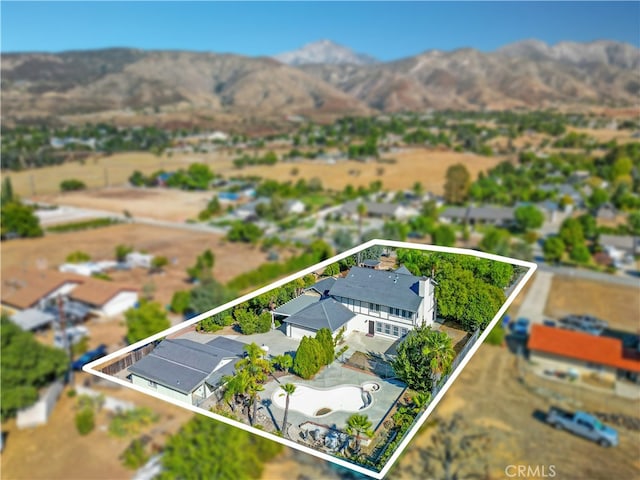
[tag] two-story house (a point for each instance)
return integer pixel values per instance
(376, 302)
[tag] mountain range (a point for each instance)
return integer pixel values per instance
(319, 80)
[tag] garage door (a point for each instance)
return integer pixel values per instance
(299, 332)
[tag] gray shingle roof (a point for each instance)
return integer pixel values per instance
(403, 270)
(393, 289)
(370, 262)
(324, 314)
(479, 213)
(622, 242)
(373, 208)
(182, 364)
(323, 285)
(32, 319)
(297, 304)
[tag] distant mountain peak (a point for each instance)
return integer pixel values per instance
(325, 52)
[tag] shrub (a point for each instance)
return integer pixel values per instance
(84, 225)
(71, 185)
(132, 421)
(78, 257)
(251, 323)
(496, 335)
(244, 232)
(85, 421)
(135, 455)
(325, 339)
(308, 359)
(180, 301)
(331, 270)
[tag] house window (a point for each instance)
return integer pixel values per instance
(406, 314)
(378, 327)
(387, 329)
(395, 331)
(374, 306)
(152, 384)
(403, 331)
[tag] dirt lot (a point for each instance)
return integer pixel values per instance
(489, 395)
(57, 451)
(619, 305)
(180, 246)
(159, 203)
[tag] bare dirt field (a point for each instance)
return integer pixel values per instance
(180, 246)
(56, 450)
(617, 304)
(415, 165)
(159, 203)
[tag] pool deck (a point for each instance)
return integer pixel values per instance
(332, 376)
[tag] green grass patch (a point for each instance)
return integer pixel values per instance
(83, 225)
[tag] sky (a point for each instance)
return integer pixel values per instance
(385, 30)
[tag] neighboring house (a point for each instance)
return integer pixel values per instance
(606, 212)
(32, 319)
(140, 260)
(23, 289)
(86, 269)
(583, 355)
(294, 206)
(371, 263)
(248, 210)
(186, 370)
(620, 247)
(379, 210)
(497, 216)
(376, 302)
(105, 298)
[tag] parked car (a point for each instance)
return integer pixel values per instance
(520, 326)
(583, 323)
(584, 425)
(89, 356)
(549, 323)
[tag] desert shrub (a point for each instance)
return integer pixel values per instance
(71, 185)
(135, 455)
(85, 421)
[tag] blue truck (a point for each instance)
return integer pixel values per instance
(583, 425)
(89, 357)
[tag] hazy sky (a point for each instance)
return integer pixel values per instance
(384, 30)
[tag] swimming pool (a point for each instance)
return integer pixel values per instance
(319, 402)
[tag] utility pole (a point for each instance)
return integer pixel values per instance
(33, 185)
(65, 339)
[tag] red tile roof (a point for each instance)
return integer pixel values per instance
(580, 346)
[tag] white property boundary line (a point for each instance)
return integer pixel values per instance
(91, 367)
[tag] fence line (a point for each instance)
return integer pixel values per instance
(128, 360)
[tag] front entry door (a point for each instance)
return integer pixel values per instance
(372, 327)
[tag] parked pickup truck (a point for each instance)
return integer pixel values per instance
(584, 425)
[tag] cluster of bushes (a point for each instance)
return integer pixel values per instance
(196, 177)
(249, 322)
(244, 232)
(132, 421)
(269, 158)
(16, 219)
(213, 208)
(83, 225)
(72, 185)
(314, 253)
(313, 353)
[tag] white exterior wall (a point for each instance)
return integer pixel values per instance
(298, 332)
(144, 383)
(120, 303)
(64, 290)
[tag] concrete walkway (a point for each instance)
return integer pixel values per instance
(533, 305)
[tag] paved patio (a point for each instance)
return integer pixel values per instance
(332, 376)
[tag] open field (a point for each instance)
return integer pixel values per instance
(415, 165)
(619, 305)
(180, 246)
(105, 171)
(428, 167)
(158, 203)
(57, 450)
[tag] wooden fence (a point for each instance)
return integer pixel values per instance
(128, 360)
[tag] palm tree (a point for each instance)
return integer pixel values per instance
(288, 388)
(357, 425)
(362, 211)
(254, 389)
(441, 353)
(420, 400)
(236, 385)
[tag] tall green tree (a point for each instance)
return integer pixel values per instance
(26, 365)
(422, 357)
(19, 219)
(308, 359)
(457, 184)
(7, 195)
(553, 249)
(325, 339)
(193, 453)
(144, 321)
(528, 217)
(288, 389)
